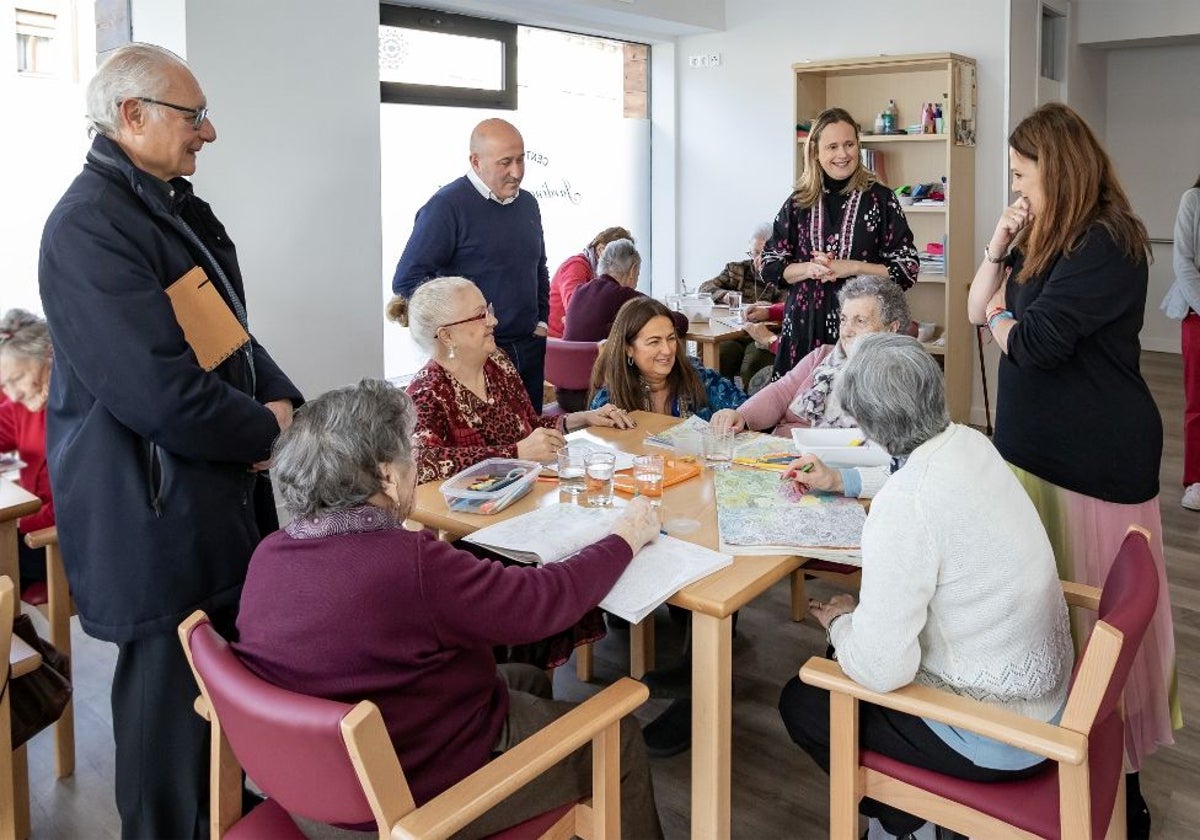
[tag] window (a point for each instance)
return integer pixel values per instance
(436, 58)
(36, 54)
(1053, 52)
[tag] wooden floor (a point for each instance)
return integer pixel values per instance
(777, 792)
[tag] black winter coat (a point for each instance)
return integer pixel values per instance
(149, 455)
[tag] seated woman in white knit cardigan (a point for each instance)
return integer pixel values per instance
(959, 586)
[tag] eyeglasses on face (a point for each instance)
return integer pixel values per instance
(199, 115)
(487, 313)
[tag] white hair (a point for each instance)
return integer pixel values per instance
(619, 258)
(431, 306)
(131, 71)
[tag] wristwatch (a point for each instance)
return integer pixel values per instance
(987, 256)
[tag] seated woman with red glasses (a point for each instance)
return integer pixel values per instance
(470, 401)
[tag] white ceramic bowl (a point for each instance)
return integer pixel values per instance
(833, 447)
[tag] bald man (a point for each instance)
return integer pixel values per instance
(482, 227)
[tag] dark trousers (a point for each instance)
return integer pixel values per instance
(32, 562)
(162, 744)
(531, 709)
(529, 356)
(805, 711)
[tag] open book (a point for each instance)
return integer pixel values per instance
(556, 532)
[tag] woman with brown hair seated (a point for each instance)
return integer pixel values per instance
(644, 367)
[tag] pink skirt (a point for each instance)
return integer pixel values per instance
(1086, 534)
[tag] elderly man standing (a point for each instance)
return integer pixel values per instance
(482, 227)
(156, 434)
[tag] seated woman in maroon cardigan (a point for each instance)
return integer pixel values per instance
(25, 357)
(594, 307)
(345, 603)
(471, 404)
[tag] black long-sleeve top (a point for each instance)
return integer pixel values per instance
(1073, 408)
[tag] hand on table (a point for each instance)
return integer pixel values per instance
(606, 415)
(827, 611)
(639, 524)
(758, 312)
(542, 445)
(727, 418)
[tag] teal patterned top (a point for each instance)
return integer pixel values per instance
(720, 391)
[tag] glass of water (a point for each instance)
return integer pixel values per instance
(599, 467)
(648, 477)
(571, 469)
(734, 299)
(718, 444)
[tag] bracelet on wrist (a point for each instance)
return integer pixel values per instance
(996, 317)
(829, 628)
(987, 255)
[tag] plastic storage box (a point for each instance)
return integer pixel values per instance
(840, 447)
(490, 486)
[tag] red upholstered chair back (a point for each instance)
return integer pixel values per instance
(281, 738)
(569, 363)
(1127, 603)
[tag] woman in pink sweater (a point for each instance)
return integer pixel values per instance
(805, 396)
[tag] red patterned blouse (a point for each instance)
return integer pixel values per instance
(456, 429)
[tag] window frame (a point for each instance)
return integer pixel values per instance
(429, 20)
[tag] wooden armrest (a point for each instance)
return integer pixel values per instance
(44, 537)
(1081, 595)
(1044, 739)
(22, 658)
(454, 808)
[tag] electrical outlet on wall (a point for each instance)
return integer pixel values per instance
(714, 59)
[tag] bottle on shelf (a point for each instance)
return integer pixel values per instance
(891, 117)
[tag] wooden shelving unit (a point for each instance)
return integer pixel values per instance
(863, 87)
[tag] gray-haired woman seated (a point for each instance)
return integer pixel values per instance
(959, 586)
(806, 396)
(345, 603)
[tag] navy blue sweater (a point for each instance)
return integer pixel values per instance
(460, 233)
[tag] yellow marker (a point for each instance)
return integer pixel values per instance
(857, 442)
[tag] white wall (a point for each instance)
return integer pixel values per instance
(1153, 135)
(295, 175)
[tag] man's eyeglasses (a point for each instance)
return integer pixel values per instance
(489, 312)
(199, 115)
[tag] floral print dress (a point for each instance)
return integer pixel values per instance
(866, 225)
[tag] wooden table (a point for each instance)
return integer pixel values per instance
(712, 602)
(15, 502)
(708, 336)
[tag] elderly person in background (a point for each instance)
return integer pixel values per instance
(594, 307)
(959, 586)
(745, 357)
(25, 357)
(471, 403)
(807, 396)
(576, 271)
(426, 614)
(157, 460)
(643, 367)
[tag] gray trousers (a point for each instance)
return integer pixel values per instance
(531, 709)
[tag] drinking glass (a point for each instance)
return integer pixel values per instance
(674, 301)
(718, 444)
(734, 299)
(648, 477)
(599, 467)
(571, 471)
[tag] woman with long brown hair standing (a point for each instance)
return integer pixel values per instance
(1062, 288)
(839, 222)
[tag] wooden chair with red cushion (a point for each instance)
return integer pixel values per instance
(334, 763)
(1080, 791)
(569, 370)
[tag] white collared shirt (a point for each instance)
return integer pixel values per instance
(484, 191)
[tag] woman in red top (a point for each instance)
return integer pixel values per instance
(471, 404)
(25, 355)
(575, 271)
